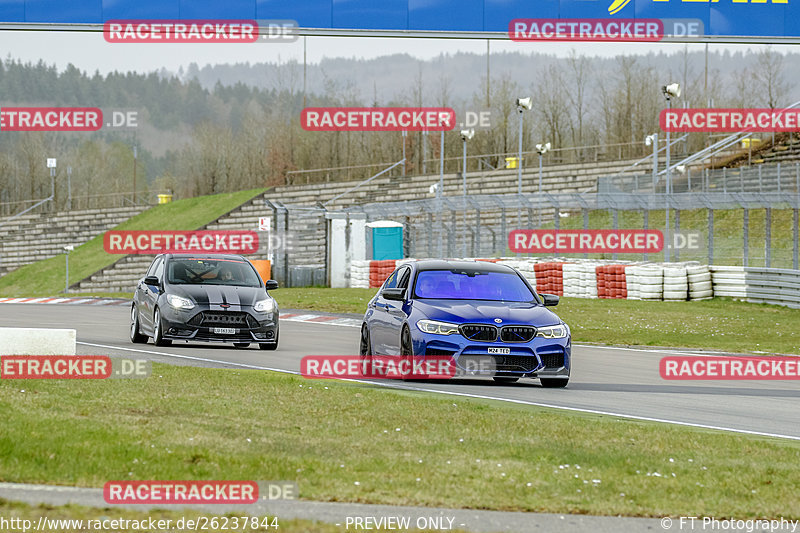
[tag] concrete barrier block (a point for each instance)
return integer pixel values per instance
(37, 341)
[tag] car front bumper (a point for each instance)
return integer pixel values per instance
(216, 325)
(549, 358)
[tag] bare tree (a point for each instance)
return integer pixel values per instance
(769, 77)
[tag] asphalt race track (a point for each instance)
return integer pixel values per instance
(610, 380)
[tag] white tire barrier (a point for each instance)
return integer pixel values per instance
(37, 341)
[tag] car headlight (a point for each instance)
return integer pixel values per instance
(552, 332)
(179, 302)
(264, 306)
(437, 328)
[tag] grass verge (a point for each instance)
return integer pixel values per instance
(46, 278)
(358, 443)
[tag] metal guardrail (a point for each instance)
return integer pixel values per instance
(758, 285)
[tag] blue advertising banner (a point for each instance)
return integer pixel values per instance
(720, 18)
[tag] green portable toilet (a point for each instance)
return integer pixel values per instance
(385, 240)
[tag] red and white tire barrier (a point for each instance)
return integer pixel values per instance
(582, 278)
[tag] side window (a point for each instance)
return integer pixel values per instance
(159, 273)
(391, 281)
(404, 276)
(151, 271)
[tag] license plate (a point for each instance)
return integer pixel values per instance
(500, 351)
(225, 331)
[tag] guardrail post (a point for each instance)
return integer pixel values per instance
(430, 235)
(503, 232)
(476, 251)
(745, 231)
(586, 226)
(615, 219)
(768, 237)
(710, 236)
(724, 180)
(760, 183)
(779, 178)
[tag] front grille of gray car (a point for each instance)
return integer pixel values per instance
(212, 319)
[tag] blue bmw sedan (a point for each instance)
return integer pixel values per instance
(484, 315)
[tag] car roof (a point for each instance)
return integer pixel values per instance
(210, 257)
(483, 266)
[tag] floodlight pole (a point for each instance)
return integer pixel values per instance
(439, 193)
(464, 187)
(520, 109)
(540, 187)
(654, 137)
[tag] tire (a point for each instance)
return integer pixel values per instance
(554, 383)
(505, 380)
(700, 286)
(701, 294)
(272, 346)
(241, 344)
(135, 334)
(158, 333)
(365, 343)
(406, 353)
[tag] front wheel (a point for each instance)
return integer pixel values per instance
(554, 383)
(406, 355)
(136, 336)
(158, 330)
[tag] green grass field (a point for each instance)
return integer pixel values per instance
(46, 278)
(359, 443)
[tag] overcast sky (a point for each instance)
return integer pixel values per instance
(90, 52)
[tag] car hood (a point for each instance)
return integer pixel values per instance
(215, 295)
(480, 311)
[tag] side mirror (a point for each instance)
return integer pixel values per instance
(398, 295)
(271, 285)
(549, 300)
(152, 280)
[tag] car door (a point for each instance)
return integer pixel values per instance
(149, 294)
(396, 314)
(379, 327)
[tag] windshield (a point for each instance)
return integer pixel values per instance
(472, 285)
(192, 271)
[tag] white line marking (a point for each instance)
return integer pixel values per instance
(189, 357)
(467, 395)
